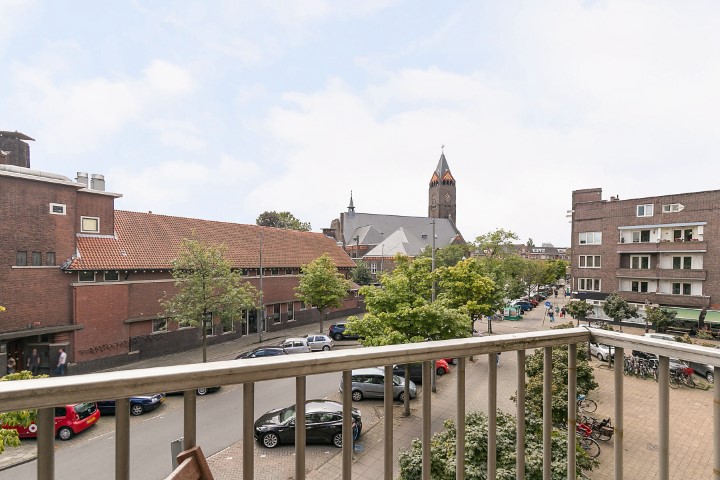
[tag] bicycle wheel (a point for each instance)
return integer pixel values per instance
(604, 434)
(587, 405)
(590, 446)
(689, 382)
(674, 383)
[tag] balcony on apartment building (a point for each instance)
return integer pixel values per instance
(676, 237)
(663, 246)
(662, 273)
(690, 301)
(44, 394)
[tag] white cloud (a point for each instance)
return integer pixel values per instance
(164, 78)
(180, 134)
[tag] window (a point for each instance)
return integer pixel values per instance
(645, 210)
(589, 261)
(21, 259)
(685, 288)
(288, 271)
(57, 209)
(36, 259)
(640, 261)
(90, 224)
(672, 207)
(643, 236)
(159, 325)
(276, 313)
(86, 276)
(302, 306)
(50, 258)
(591, 238)
(373, 267)
(640, 286)
(112, 276)
(274, 271)
(682, 263)
(589, 284)
(291, 311)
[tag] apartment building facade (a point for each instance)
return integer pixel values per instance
(662, 250)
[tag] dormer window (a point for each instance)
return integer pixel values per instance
(90, 224)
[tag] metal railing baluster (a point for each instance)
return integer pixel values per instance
(716, 427)
(122, 439)
(248, 431)
(460, 421)
(664, 418)
(300, 433)
(547, 413)
(189, 419)
(572, 411)
(492, 416)
(388, 423)
(46, 443)
(619, 432)
(520, 434)
(347, 447)
(426, 418)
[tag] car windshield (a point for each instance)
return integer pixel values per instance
(398, 380)
(287, 414)
(83, 407)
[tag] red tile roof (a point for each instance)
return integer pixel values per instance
(149, 241)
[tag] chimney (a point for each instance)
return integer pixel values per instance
(97, 182)
(82, 178)
(14, 149)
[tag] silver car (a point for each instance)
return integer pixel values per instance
(320, 342)
(601, 351)
(296, 345)
(370, 383)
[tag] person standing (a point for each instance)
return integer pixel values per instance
(62, 361)
(33, 363)
(10, 365)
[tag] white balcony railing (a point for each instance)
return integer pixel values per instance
(44, 394)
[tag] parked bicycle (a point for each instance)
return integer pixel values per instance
(584, 433)
(585, 404)
(601, 429)
(681, 376)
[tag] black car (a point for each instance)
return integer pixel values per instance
(262, 352)
(323, 424)
(200, 391)
(139, 404)
(337, 332)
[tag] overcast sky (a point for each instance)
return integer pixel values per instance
(225, 109)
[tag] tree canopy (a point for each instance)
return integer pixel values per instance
(9, 436)
(617, 308)
(464, 286)
(660, 317)
(321, 285)
(448, 255)
(496, 244)
(578, 309)
(360, 274)
(206, 284)
(284, 220)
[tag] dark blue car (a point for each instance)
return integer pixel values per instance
(139, 404)
(524, 306)
(337, 332)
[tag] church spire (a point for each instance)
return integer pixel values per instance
(351, 207)
(442, 195)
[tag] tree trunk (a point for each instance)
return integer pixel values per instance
(406, 400)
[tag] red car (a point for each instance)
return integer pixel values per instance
(69, 420)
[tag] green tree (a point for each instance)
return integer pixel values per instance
(496, 244)
(360, 274)
(284, 220)
(617, 308)
(443, 453)
(556, 270)
(322, 286)
(578, 309)
(660, 317)
(207, 287)
(448, 255)
(9, 436)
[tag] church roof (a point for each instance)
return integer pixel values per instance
(373, 229)
(442, 166)
(150, 241)
(400, 241)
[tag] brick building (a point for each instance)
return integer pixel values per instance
(76, 273)
(661, 250)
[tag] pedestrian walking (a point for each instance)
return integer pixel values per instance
(556, 293)
(10, 365)
(551, 314)
(33, 363)
(562, 312)
(62, 362)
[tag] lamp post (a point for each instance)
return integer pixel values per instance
(261, 313)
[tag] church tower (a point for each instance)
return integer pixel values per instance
(442, 199)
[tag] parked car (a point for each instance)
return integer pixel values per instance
(451, 361)
(601, 351)
(320, 342)
(69, 420)
(262, 352)
(200, 391)
(323, 424)
(704, 370)
(531, 300)
(441, 368)
(524, 306)
(337, 332)
(296, 345)
(139, 404)
(370, 383)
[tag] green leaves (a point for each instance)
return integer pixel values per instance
(284, 220)
(321, 285)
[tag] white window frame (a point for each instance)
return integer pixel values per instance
(60, 207)
(160, 325)
(640, 259)
(681, 288)
(106, 279)
(645, 210)
(589, 284)
(671, 207)
(639, 236)
(85, 281)
(589, 261)
(590, 238)
(89, 219)
(639, 284)
(291, 311)
(682, 259)
(373, 268)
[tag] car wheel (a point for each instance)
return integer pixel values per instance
(357, 395)
(440, 372)
(270, 440)
(600, 357)
(65, 433)
(337, 440)
(202, 391)
(401, 397)
(710, 377)
(338, 336)
(136, 409)
(326, 347)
